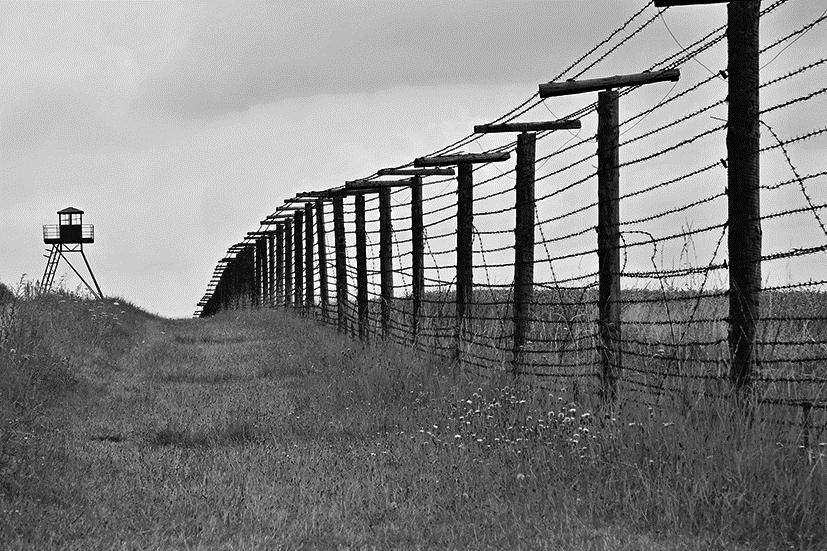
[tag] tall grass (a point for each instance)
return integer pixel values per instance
(674, 346)
(51, 345)
(264, 430)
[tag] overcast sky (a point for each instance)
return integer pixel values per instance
(177, 126)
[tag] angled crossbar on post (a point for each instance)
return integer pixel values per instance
(564, 124)
(415, 172)
(376, 185)
(462, 158)
(670, 3)
(273, 221)
(314, 194)
(553, 89)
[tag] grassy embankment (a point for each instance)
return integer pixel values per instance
(120, 430)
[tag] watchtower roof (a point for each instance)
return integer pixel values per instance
(70, 210)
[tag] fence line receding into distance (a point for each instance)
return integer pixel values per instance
(656, 267)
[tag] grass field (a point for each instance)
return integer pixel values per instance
(264, 430)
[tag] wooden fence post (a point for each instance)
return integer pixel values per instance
(241, 280)
(256, 283)
(465, 250)
(743, 189)
(744, 239)
(250, 275)
(279, 264)
(608, 240)
(361, 267)
(341, 261)
(524, 223)
(417, 255)
(465, 228)
(288, 261)
(608, 208)
(298, 272)
(261, 250)
(308, 259)
(523, 246)
(385, 259)
(322, 248)
(271, 279)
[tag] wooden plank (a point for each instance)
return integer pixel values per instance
(375, 185)
(670, 3)
(401, 182)
(553, 89)
(275, 220)
(415, 172)
(468, 158)
(352, 192)
(563, 124)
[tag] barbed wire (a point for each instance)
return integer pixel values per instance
(674, 317)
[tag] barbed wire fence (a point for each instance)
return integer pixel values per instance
(694, 292)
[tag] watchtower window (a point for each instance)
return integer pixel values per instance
(70, 219)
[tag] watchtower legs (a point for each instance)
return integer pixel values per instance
(56, 253)
(51, 268)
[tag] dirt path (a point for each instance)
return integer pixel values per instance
(270, 432)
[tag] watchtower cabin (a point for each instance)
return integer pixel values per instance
(68, 236)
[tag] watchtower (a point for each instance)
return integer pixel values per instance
(68, 236)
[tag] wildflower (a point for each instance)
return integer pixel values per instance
(520, 476)
(668, 424)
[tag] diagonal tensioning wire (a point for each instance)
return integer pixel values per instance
(801, 185)
(488, 280)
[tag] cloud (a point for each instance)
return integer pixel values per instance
(239, 56)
